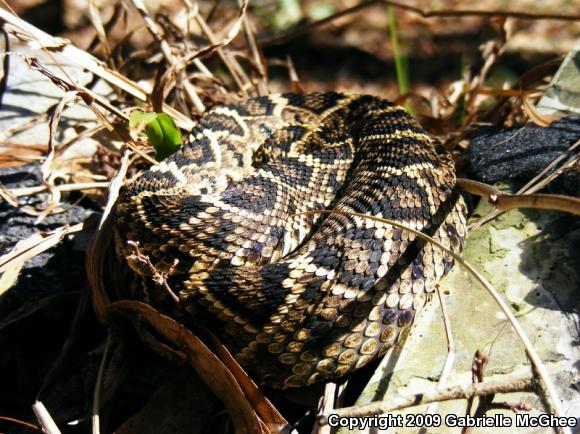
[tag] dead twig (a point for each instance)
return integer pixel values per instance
(26, 32)
(158, 276)
(425, 13)
(21, 422)
(236, 71)
(262, 83)
(477, 374)
(190, 91)
(506, 201)
(448, 394)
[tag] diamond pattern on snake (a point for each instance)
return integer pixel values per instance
(296, 295)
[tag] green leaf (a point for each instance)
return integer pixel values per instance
(160, 130)
(140, 119)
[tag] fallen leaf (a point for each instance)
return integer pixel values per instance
(35, 244)
(9, 278)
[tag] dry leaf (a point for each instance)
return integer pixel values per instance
(9, 278)
(262, 405)
(35, 244)
(15, 155)
(208, 366)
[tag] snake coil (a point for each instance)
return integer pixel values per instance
(297, 297)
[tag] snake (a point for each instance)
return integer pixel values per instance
(266, 227)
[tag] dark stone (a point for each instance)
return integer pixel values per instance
(59, 269)
(520, 153)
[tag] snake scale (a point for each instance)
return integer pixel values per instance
(297, 297)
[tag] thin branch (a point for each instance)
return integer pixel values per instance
(28, 191)
(448, 394)
(506, 201)
(21, 422)
(535, 184)
(425, 13)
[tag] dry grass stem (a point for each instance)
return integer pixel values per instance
(192, 11)
(190, 90)
(35, 37)
(95, 417)
(115, 186)
(97, 23)
(101, 240)
(44, 418)
(235, 69)
(293, 76)
(532, 185)
(326, 404)
(262, 83)
(78, 186)
(450, 358)
(23, 126)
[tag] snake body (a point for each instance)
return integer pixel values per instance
(297, 296)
